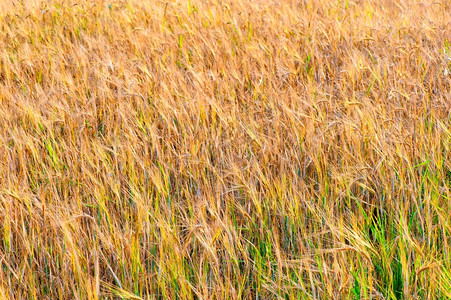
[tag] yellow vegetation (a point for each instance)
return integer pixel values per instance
(225, 149)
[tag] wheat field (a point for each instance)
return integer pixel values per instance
(225, 149)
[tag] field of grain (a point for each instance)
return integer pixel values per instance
(225, 149)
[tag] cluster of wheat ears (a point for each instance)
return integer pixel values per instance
(229, 149)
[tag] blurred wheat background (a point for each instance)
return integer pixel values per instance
(225, 149)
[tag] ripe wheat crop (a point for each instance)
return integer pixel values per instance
(225, 149)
